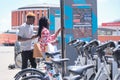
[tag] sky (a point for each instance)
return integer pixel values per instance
(108, 10)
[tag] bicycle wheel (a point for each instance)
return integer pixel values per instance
(28, 72)
(18, 60)
(33, 77)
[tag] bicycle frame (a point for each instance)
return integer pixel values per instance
(53, 75)
(103, 70)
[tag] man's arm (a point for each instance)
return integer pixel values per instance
(34, 36)
(23, 39)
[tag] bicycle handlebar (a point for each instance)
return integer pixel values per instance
(105, 45)
(80, 43)
(77, 43)
(93, 42)
(73, 42)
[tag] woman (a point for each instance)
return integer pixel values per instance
(44, 34)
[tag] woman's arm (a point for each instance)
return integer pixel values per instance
(58, 31)
(54, 36)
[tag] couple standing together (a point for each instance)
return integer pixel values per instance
(26, 36)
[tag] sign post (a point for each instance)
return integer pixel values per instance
(62, 34)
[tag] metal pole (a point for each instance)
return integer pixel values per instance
(62, 34)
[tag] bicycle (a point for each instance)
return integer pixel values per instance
(49, 66)
(76, 70)
(89, 66)
(78, 45)
(17, 55)
(103, 72)
(81, 72)
(18, 51)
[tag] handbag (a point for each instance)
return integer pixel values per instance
(37, 52)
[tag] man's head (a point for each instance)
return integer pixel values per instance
(30, 18)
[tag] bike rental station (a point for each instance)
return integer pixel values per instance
(85, 55)
(80, 22)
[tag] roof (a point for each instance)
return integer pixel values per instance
(107, 28)
(44, 5)
(111, 24)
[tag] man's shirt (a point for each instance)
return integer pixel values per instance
(26, 31)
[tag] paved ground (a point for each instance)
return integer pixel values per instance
(6, 58)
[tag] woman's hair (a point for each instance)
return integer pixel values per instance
(43, 22)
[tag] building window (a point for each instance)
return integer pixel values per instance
(109, 33)
(101, 32)
(23, 17)
(42, 13)
(37, 18)
(33, 11)
(18, 18)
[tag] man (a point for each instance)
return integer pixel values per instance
(25, 35)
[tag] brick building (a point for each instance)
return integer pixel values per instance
(19, 15)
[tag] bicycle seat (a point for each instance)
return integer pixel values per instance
(79, 69)
(76, 77)
(58, 61)
(52, 54)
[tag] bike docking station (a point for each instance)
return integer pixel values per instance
(80, 22)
